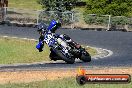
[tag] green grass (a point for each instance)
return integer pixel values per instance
(24, 51)
(20, 51)
(91, 51)
(25, 4)
(63, 83)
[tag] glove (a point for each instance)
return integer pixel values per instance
(39, 46)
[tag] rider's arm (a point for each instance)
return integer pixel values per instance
(40, 45)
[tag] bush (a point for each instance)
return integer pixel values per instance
(96, 19)
(119, 20)
(89, 19)
(47, 16)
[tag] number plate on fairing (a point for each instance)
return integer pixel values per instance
(49, 39)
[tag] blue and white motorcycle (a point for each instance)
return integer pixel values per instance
(62, 47)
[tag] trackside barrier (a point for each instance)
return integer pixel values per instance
(69, 19)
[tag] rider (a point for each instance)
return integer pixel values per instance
(42, 29)
(53, 26)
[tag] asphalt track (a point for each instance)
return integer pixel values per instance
(118, 42)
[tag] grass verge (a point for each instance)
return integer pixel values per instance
(20, 51)
(63, 83)
(24, 51)
(25, 4)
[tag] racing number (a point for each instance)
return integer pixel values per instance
(48, 38)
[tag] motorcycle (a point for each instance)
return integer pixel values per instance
(77, 50)
(60, 48)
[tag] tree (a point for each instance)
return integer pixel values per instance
(110, 7)
(57, 5)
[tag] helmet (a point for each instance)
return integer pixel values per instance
(53, 26)
(41, 27)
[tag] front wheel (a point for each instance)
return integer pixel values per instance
(68, 59)
(85, 57)
(53, 55)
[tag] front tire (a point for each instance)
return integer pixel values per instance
(53, 55)
(68, 60)
(85, 57)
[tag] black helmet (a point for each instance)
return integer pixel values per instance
(58, 24)
(41, 27)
